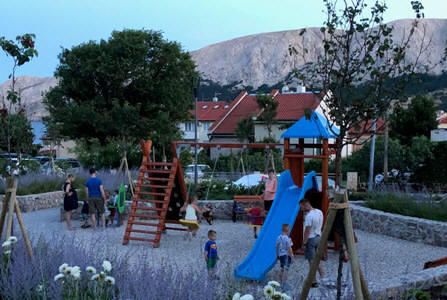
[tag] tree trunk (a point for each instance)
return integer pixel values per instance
(385, 152)
(338, 174)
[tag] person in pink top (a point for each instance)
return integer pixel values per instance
(270, 190)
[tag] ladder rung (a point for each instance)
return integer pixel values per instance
(140, 239)
(152, 201)
(149, 208)
(144, 223)
(144, 231)
(154, 186)
(158, 178)
(152, 193)
(145, 216)
(160, 164)
(160, 171)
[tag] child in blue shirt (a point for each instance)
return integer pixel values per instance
(211, 256)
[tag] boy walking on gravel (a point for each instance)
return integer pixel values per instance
(211, 256)
(284, 252)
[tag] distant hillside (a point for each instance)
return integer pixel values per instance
(263, 58)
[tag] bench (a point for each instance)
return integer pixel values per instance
(243, 199)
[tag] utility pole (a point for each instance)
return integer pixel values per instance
(371, 156)
(196, 87)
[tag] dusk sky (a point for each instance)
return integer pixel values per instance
(193, 23)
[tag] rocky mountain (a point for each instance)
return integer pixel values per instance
(260, 59)
(263, 58)
(31, 90)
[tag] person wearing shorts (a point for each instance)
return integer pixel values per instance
(284, 252)
(211, 256)
(96, 198)
(313, 223)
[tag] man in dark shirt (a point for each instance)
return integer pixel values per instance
(96, 198)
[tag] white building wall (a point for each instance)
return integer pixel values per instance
(187, 129)
(438, 135)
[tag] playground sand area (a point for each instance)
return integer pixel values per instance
(381, 257)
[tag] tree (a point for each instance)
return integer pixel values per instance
(416, 120)
(135, 85)
(15, 131)
(245, 130)
(268, 107)
(358, 56)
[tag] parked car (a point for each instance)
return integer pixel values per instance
(201, 170)
(67, 165)
(42, 159)
(250, 180)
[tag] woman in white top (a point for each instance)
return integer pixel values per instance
(191, 207)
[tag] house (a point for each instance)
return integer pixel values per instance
(361, 134)
(207, 113)
(291, 108)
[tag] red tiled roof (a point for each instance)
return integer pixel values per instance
(291, 108)
(380, 126)
(443, 121)
(210, 111)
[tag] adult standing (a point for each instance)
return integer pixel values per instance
(313, 223)
(270, 190)
(96, 198)
(70, 199)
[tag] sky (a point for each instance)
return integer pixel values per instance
(193, 23)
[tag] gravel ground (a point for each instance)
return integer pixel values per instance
(381, 257)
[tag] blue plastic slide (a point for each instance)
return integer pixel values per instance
(285, 208)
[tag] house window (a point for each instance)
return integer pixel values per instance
(189, 126)
(206, 125)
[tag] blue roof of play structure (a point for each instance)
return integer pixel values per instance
(315, 127)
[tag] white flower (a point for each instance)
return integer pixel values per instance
(67, 271)
(110, 280)
(7, 252)
(6, 244)
(91, 270)
(12, 239)
(268, 291)
(247, 297)
(102, 275)
(107, 265)
(285, 297)
(58, 276)
(63, 267)
(95, 277)
(274, 284)
(277, 296)
(39, 288)
(236, 296)
(76, 272)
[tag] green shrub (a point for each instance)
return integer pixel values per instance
(407, 205)
(417, 294)
(37, 187)
(223, 190)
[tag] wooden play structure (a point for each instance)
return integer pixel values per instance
(161, 190)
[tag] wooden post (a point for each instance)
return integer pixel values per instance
(22, 227)
(319, 254)
(4, 210)
(12, 199)
(350, 243)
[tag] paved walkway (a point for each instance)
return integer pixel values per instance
(381, 257)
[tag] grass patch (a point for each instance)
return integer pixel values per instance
(408, 205)
(37, 186)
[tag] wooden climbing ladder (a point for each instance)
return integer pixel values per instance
(151, 202)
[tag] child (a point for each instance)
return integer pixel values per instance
(208, 214)
(255, 219)
(112, 206)
(211, 256)
(190, 207)
(284, 252)
(84, 215)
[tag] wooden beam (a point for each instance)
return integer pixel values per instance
(435, 263)
(230, 145)
(294, 155)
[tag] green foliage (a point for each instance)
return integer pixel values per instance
(223, 190)
(38, 186)
(432, 170)
(268, 107)
(15, 130)
(407, 205)
(135, 85)
(416, 120)
(186, 158)
(356, 72)
(245, 130)
(94, 154)
(417, 294)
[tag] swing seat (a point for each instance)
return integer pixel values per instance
(247, 198)
(189, 223)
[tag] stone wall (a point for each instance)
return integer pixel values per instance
(39, 201)
(401, 227)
